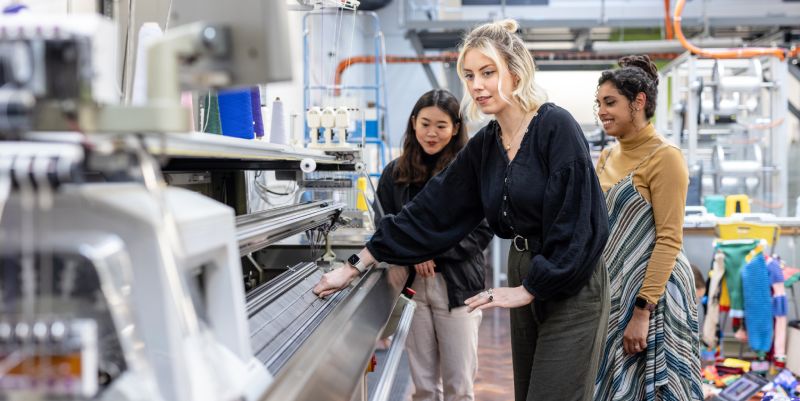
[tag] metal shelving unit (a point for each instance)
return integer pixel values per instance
(376, 90)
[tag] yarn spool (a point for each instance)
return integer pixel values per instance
(210, 122)
(236, 113)
(188, 102)
(255, 103)
(277, 131)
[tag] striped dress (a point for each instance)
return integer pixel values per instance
(669, 369)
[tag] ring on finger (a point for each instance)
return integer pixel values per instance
(490, 292)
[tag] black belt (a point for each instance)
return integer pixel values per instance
(522, 244)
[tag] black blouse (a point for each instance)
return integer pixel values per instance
(462, 265)
(549, 193)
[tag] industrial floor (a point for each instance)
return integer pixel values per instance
(494, 381)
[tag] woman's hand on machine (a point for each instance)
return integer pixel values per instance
(504, 297)
(335, 280)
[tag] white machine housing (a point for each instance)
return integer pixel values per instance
(188, 298)
(99, 32)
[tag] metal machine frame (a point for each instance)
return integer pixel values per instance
(683, 82)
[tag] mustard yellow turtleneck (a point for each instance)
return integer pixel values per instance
(662, 180)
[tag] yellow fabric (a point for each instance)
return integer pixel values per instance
(736, 363)
(361, 187)
(663, 180)
(758, 249)
(724, 295)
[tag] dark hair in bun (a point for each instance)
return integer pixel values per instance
(638, 74)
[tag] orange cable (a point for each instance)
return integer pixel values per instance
(346, 63)
(667, 22)
(720, 54)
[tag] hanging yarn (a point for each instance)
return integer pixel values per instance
(711, 321)
(779, 309)
(757, 296)
(735, 252)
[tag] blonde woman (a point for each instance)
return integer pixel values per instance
(529, 173)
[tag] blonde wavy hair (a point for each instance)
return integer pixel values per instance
(498, 41)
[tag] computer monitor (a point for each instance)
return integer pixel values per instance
(259, 35)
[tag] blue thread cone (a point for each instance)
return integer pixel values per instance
(236, 113)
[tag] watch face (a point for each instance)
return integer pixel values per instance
(353, 259)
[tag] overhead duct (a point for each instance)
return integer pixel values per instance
(660, 46)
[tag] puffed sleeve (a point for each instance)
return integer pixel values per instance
(471, 245)
(441, 215)
(386, 192)
(575, 220)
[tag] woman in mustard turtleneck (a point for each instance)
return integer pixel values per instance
(652, 349)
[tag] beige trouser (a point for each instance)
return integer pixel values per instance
(442, 345)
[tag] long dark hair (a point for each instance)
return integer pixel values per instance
(410, 169)
(637, 74)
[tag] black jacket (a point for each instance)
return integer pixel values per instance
(462, 265)
(549, 193)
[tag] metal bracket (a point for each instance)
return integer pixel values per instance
(416, 43)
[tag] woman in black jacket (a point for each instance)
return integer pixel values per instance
(530, 175)
(443, 342)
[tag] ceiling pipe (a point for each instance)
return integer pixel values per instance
(346, 63)
(745, 52)
(667, 21)
(542, 57)
(658, 46)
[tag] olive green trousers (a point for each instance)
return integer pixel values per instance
(556, 344)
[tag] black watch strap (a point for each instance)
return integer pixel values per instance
(642, 303)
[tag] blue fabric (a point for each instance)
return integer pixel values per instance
(775, 271)
(779, 306)
(757, 303)
(236, 113)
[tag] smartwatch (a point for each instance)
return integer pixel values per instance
(356, 262)
(642, 303)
